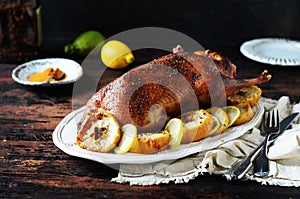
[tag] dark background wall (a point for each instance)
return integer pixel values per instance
(208, 21)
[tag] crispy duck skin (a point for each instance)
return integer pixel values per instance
(168, 86)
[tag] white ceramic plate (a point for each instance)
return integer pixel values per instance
(64, 137)
(71, 68)
(275, 51)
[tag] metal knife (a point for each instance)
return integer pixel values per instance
(284, 124)
(238, 171)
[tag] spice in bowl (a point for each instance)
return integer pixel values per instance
(48, 75)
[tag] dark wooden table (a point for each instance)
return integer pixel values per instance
(32, 166)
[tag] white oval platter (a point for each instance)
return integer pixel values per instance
(64, 137)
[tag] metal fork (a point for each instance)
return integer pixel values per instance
(270, 126)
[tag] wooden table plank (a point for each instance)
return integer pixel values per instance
(32, 166)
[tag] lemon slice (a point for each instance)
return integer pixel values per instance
(175, 128)
(233, 113)
(216, 125)
(116, 54)
(246, 114)
(222, 116)
(129, 137)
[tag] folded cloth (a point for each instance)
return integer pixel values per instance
(283, 154)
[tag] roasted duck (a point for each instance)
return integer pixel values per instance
(167, 86)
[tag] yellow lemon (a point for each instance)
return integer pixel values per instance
(129, 137)
(216, 125)
(222, 116)
(175, 128)
(116, 54)
(233, 113)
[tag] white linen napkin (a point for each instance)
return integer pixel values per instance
(284, 157)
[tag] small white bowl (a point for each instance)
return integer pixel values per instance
(71, 68)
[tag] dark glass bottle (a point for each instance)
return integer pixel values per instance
(20, 30)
